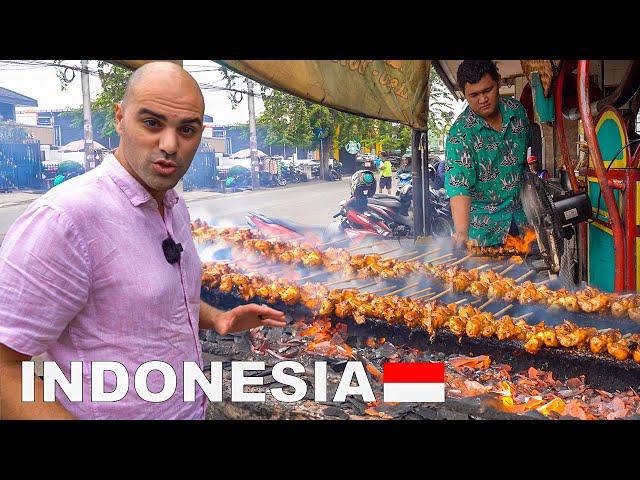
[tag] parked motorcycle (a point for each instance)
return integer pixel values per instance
(390, 215)
(293, 173)
(331, 175)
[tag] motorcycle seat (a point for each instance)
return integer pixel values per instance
(386, 202)
(384, 195)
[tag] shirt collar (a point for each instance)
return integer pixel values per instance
(505, 112)
(134, 191)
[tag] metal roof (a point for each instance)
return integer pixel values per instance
(15, 98)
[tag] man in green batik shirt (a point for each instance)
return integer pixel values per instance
(486, 159)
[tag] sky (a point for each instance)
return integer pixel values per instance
(40, 82)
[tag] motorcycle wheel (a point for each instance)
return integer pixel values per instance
(282, 181)
(441, 227)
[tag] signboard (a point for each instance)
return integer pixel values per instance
(353, 147)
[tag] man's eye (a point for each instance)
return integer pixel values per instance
(188, 130)
(150, 122)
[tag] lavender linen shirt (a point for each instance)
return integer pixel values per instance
(83, 278)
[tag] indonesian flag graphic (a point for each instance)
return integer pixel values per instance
(413, 382)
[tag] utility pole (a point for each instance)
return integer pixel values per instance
(89, 154)
(253, 138)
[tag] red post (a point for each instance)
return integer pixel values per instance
(607, 194)
(562, 139)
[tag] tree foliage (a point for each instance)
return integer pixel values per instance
(11, 132)
(114, 81)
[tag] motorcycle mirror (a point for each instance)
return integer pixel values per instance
(342, 202)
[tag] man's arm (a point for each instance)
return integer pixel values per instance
(11, 405)
(239, 319)
(460, 208)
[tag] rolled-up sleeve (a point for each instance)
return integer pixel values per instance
(44, 279)
(460, 176)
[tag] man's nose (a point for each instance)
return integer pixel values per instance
(169, 141)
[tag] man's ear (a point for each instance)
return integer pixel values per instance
(119, 114)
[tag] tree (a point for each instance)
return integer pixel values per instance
(114, 82)
(11, 132)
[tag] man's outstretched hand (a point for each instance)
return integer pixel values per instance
(249, 316)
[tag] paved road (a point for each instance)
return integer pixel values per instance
(311, 203)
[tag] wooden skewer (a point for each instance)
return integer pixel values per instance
(405, 254)
(395, 292)
(444, 262)
(522, 277)
(382, 289)
(487, 303)
(513, 265)
(542, 282)
(334, 242)
(481, 267)
(475, 301)
(501, 311)
(390, 251)
(440, 257)
(522, 317)
(366, 286)
(463, 259)
(420, 291)
(424, 296)
(344, 280)
(435, 250)
(441, 294)
(458, 302)
(311, 276)
(365, 246)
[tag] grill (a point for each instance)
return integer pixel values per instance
(603, 371)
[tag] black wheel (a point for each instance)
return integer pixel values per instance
(282, 181)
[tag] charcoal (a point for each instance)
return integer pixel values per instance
(335, 412)
(386, 350)
(396, 411)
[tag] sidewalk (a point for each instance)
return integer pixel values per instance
(18, 197)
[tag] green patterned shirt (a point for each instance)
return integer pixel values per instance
(488, 166)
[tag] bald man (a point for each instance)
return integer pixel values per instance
(103, 269)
